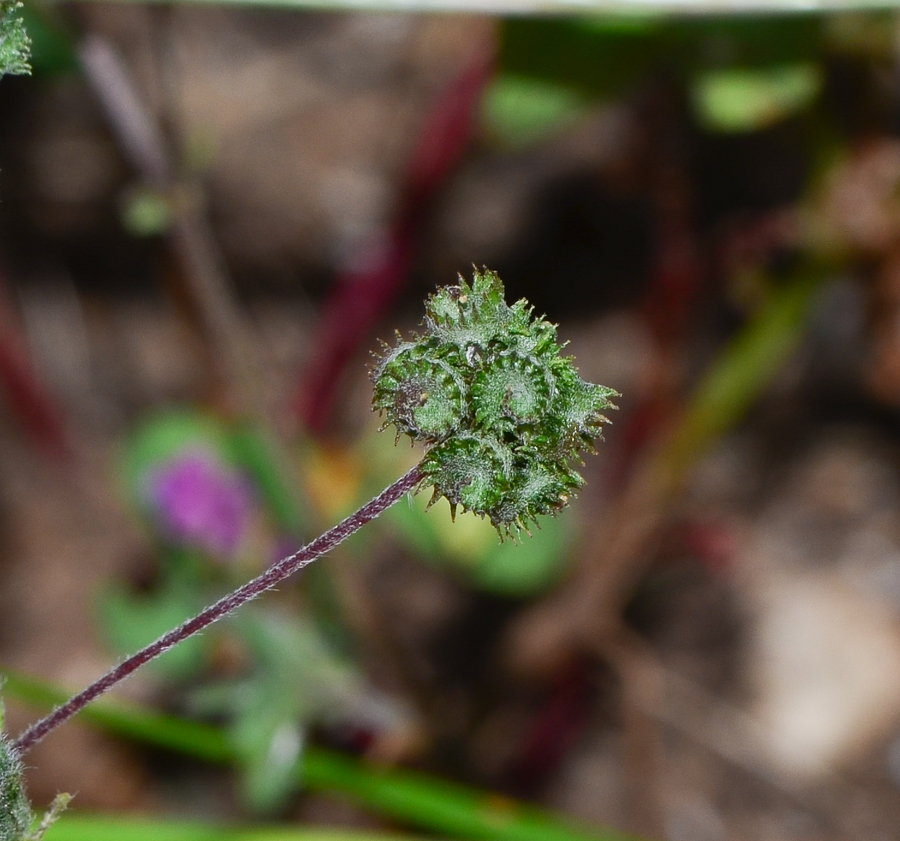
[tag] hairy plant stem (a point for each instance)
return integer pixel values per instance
(274, 575)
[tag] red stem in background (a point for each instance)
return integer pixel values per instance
(24, 393)
(555, 730)
(364, 291)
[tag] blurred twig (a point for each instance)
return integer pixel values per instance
(710, 721)
(586, 615)
(209, 287)
(585, 611)
(363, 291)
(207, 278)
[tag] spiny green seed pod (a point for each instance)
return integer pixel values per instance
(512, 390)
(473, 472)
(17, 821)
(15, 45)
(15, 811)
(502, 412)
(424, 395)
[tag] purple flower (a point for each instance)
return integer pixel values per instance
(202, 501)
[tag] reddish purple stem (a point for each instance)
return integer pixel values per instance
(362, 293)
(272, 576)
(26, 395)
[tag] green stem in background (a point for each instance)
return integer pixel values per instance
(743, 370)
(109, 828)
(414, 798)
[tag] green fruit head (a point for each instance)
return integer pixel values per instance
(502, 412)
(15, 811)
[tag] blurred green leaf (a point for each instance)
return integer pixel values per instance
(520, 111)
(131, 621)
(161, 436)
(296, 681)
(603, 57)
(532, 566)
(748, 99)
(470, 547)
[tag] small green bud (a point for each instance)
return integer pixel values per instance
(501, 411)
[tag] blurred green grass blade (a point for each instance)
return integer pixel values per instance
(744, 369)
(443, 807)
(107, 828)
(143, 725)
(415, 798)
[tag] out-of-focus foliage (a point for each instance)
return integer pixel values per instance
(744, 99)
(185, 476)
(182, 477)
(469, 547)
(196, 481)
(523, 110)
(743, 71)
(447, 809)
(146, 212)
(296, 680)
(14, 42)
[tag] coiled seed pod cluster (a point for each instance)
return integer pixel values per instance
(500, 409)
(15, 811)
